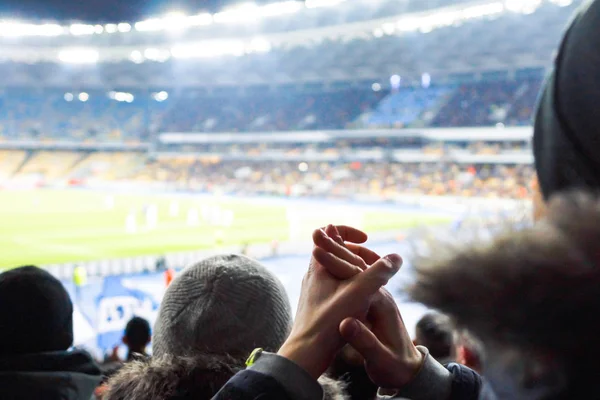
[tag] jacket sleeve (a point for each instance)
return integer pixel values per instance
(271, 377)
(275, 377)
(436, 382)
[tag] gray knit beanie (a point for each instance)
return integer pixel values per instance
(225, 304)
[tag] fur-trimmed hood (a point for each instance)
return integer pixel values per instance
(183, 378)
(529, 294)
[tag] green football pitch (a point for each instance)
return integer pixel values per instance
(54, 226)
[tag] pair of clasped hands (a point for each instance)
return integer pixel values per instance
(343, 302)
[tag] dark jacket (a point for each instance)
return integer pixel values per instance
(275, 378)
(184, 378)
(49, 376)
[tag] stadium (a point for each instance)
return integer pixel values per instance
(131, 147)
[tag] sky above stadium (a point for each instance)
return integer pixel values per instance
(106, 10)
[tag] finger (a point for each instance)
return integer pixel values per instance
(324, 241)
(363, 340)
(377, 275)
(386, 321)
(369, 256)
(333, 233)
(336, 266)
(350, 234)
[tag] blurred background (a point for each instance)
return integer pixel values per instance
(138, 137)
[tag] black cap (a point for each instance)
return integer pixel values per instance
(567, 125)
(36, 313)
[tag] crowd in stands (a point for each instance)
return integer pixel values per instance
(346, 180)
(342, 179)
(45, 115)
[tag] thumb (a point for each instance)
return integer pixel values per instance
(363, 340)
(377, 275)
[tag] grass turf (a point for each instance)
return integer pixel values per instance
(55, 226)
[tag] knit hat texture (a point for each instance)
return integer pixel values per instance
(567, 127)
(36, 313)
(228, 304)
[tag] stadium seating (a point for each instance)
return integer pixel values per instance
(29, 115)
(405, 106)
(10, 161)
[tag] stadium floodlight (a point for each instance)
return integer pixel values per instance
(249, 12)
(175, 20)
(322, 3)
(303, 167)
(110, 28)
(68, 96)
(388, 28)
(408, 24)
(98, 29)
(79, 56)
(150, 25)
(160, 96)
(121, 96)
(16, 29)
(124, 27)
(378, 32)
(160, 55)
(282, 8)
(82, 29)
(83, 97)
(395, 81)
(137, 57)
(209, 49)
(376, 87)
(425, 80)
(242, 13)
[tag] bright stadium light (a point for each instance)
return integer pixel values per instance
(249, 12)
(395, 81)
(209, 49)
(277, 9)
(137, 57)
(150, 25)
(159, 55)
(303, 167)
(68, 96)
(241, 13)
(110, 28)
(425, 80)
(82, 29)
(376, 87)
(160, 96)
(322, 3)
(83, 97)
(17, 29)
(124, 27)
(79, 56)
(388, 28)
(98, 29)
(378, 32)
(175, 20)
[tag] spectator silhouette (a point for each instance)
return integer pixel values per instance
(36, 332)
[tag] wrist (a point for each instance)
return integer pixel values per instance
(309, 353)
(412, 366)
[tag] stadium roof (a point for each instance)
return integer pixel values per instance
(473, 36)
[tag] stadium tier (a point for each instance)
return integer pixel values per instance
(96, 117)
